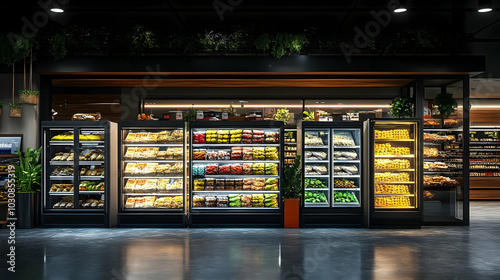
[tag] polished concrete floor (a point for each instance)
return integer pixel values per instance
(429, 253)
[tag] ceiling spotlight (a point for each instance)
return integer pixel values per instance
(484, 6)
(56, 8)
(401, 8)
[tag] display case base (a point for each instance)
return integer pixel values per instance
(76, 221)
(337, 220)
(239, 220)
(151, 221)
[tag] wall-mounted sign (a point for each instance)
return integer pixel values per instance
(10, 144)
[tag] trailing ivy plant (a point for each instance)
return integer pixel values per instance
(402, 107)
(142, 40)
(445, 103)
(285, 44)
(263, 42)
(13, 48)
(222, 43)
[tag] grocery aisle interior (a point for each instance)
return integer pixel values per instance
(428, 253)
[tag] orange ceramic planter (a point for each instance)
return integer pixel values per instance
(291, 213)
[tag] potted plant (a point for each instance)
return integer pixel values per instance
(282, 115)
(15, 110)
(402, 107)
(292, 191)
(445, 103)
(27, 179)
(28, 96)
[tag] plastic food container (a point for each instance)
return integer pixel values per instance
(199, 154)
(225, 169)
(212, 169)
(209, 182)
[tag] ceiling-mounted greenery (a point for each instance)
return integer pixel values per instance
(142, 40)
(221, 43)
(402, 107)
(445, 103)
(13, 48)
(285, 43)
(58, 46)
(263, 42)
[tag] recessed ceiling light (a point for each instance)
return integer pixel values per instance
(401, 8)
(484, 6)
(57, 10)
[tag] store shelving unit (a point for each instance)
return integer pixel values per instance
(484, 163)
(152, 174)
(332, 166)
(79, 186)
(236, 170)
(290, 144)
(393, 172)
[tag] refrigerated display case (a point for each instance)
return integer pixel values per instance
(394, 177)
(333, 185)
(152, 174)
(484, 163)
(79, 171)
(236, 170)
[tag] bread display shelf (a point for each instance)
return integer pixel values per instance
(316, 147)
(90, 178)
(91, 142)
(316, 161)
(62, 193)
(62, 163)
(58, 143)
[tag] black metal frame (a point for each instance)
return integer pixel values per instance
(397, 218)
(331, 216)
(236, 217)
(77, 217)
(150, 217)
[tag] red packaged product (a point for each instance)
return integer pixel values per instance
(246, 140)
(211, 169)
(199, 138)
(224, 169)
(258, 132)
(246, 136)
(247, 131)
(247, 153)
(236, 153)
(236, 169)
(258, 141)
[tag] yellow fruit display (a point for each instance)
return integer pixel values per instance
(393, 201)
(398, 134)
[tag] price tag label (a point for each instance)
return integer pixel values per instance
(199, 115)
(225, 116)
(178, 116)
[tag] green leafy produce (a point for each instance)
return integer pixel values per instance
(315, 197)
(308, 116)
(402, 107)
(282, 115)
(314, 183)
(344, 197)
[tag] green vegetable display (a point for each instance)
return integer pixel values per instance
(314, 184)
(344, 197)
(315, 197)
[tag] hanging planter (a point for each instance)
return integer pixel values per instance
(15, 110)
(28, 97)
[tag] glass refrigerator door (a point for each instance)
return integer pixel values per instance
(317, 167)
(395, 165)
(59, 153)
(346, 168)
(235, 169)
(91, 168)
(152, 164)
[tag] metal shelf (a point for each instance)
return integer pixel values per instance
(234, 161)
(393, 194)
(346, 147)
(395, 140)
(234, 208)
(316, 176)
(63, 143)
(156, 194)
(90, 162)
(61, 177)
(316, 204)
(346, 204)
(407, 207)
(152, 145)
(237, 176)
(92, 192)
(345, 160)
(346, 176)
(317, 189)
(153, 160)
(153, 177)
(61, 162)
(389, 169)
(316, 147)
(90, 178)
(317, 161)
(237, 145)
(346, 189)
(61, 193)
(399, 183)
(236, 192)
(394, 156)
(91, 143)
